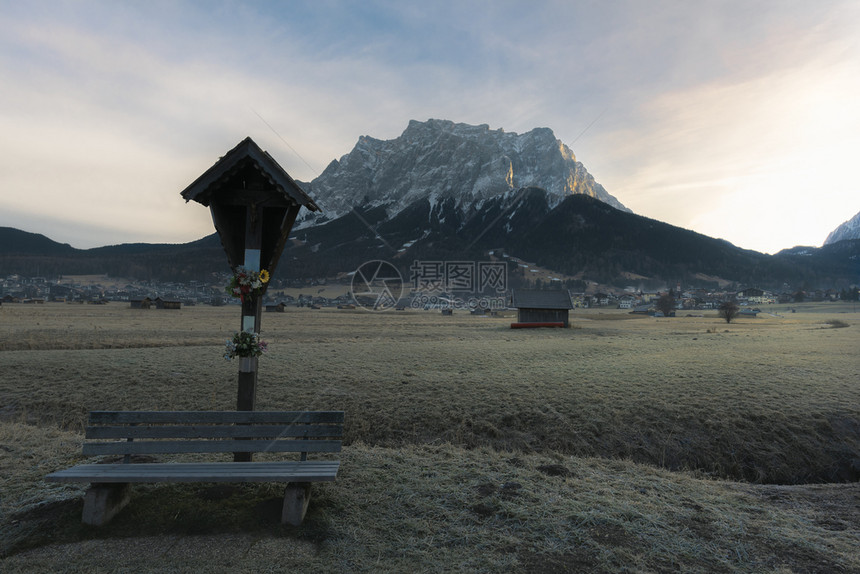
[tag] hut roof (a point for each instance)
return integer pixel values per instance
(247, 152)
(537, 299)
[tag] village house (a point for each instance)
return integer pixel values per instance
(753, 296)
(626, 302)
(599, 300)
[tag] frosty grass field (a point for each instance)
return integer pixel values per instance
(625, 443)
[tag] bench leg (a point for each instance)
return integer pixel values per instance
(103, 500)
(296, 498)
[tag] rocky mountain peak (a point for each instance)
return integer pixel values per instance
(441, 159)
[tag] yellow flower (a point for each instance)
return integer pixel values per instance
(264, 276)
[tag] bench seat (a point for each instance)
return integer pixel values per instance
(286, 471)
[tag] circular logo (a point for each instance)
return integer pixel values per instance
(377, 286)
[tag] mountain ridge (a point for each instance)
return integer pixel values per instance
(638, 246)
(440, 159)
(581, 236)
(848, 230)
(14, 240)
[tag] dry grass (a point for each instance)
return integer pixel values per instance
(771, 399)
(473, 447)
(442, 508)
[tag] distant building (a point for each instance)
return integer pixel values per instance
(626, 302)
(535, 306)
(165, 304)
(752, 295)
(600, 299)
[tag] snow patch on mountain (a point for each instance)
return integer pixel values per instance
(848, 230)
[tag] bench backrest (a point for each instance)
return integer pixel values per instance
(151, 432)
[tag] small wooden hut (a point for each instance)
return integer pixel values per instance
(542, 308)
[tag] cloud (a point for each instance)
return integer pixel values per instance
(113, 108)
(112, 131)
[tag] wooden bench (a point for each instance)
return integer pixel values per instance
(128, 433)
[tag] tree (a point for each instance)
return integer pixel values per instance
(666, 304)
(729, 310)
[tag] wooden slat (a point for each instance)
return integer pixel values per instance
(211, 446)
(310, 471)
(215, 431)
(214, 417)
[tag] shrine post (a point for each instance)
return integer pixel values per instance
(254, 204)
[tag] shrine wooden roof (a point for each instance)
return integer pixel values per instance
(247, 153)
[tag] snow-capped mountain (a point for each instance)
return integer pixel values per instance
(447, 192)
(439, 160)
(848, 230)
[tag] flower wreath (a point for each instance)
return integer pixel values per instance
(245, 344)
(247, 283)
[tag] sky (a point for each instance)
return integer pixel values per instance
(736, 119)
